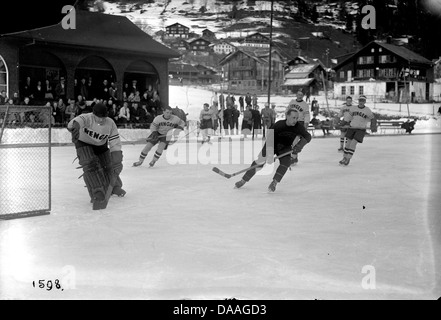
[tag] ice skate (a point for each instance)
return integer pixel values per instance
(120, 192)
(342, 161)
(346, 162)
(138, 163)
(272, 186)
(294, 161)
(340, 150)
(239, 184)
(152, 163)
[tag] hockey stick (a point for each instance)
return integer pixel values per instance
(229, 175)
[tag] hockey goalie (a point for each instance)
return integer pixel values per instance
(98, 148)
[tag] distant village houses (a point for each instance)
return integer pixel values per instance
(384, 71)
(177, 30)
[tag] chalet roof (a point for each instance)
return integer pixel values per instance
(198, 39)
(301, 71)
(177, 24)
(246, 52)
(400, 51)
(297, 82)
(98, 30)
(405, 53)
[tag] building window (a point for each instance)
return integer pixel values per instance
(366, 60)
(343, 90)
(342, 74)
(352, 90)
(360, 90)
(387, 59)
(365, 73)
(3, 76)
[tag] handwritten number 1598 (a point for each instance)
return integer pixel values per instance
(48, 284)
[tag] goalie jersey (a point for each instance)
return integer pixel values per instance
(162, 125)
(93, 133)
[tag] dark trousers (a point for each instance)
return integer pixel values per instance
(284, 164)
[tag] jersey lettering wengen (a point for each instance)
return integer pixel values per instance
(345, 112)
(162, 125)
(360, 117)
(206, 115)
(97, 134)
(303, 109)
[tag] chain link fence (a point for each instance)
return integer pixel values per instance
(25, 161)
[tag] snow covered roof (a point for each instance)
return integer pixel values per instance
(100, 30)
(298, 82)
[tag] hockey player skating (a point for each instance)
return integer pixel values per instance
(98, 148)
(360, 117)
(162, 129)
(304, 115)
(281, 137)
(344, 123)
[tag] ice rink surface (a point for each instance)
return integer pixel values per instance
(367, 231)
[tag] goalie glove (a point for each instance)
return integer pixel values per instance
(75, 131)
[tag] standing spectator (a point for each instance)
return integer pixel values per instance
(206, 123)
(16, 98)
(247, 121)
(60, 89)
(28, 89)
(222, 101)
(134, 87)
(69, 112)
(126, 89)
(241, 103)
(248, 99)
(273, 114)
(48, 90)
(308, 95)
(3, 97)
(39, 93)
(156, 100)
(254, 100)
(235, 119)
(124, 114)
(104, 92)
(360, 117)
(257, 121)
(215, 113)
(215, 100)
(229, 101)
(266, 118)
(91, 92)
(76, 88)
(57, 113)
(83, 89)
(113, 91)
(228, 120)
(149, 92)
(314, 107)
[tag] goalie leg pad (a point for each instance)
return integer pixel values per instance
(106, 163)
(93, 173)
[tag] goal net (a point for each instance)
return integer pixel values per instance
(25, 161)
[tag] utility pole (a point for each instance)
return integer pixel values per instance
(270, 49)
